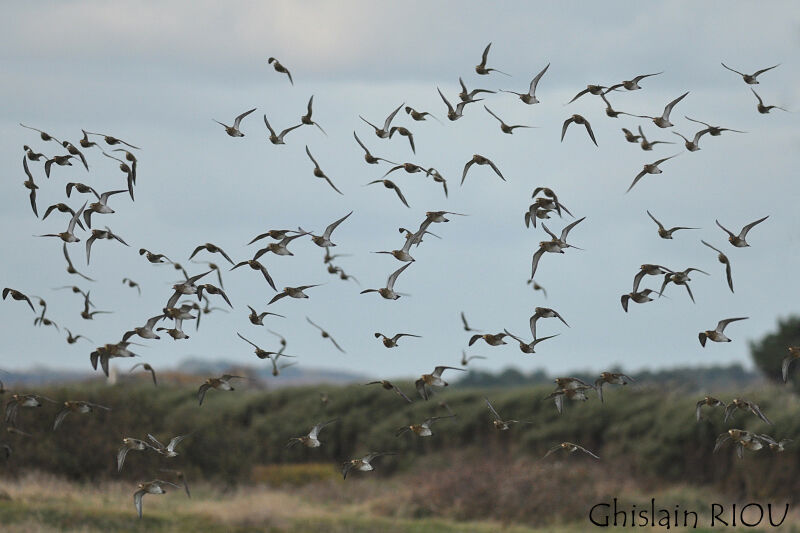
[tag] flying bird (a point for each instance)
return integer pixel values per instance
(739, 240)
(480, 160)
(319, 173)
(481, 67)
(234, 130)
(278, 139)
(717, 334)
(764, 109)
(326, 335)
(280, 68)
(388, 385)
(388, 291)
(750, 79)
(663, 232)
(434, 379)
(722, 258)
(578, 119)
(384, 132)
(306, 119)
(663, 120)
(505, 128)
(649, 168)
(530, 97)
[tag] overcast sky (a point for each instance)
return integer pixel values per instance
(156, 73)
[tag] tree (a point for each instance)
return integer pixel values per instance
(769, 352)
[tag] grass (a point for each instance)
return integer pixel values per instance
(43, 504)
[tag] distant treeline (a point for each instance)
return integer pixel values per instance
(648, 430)
(689, 378)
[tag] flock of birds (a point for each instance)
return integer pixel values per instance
(180, 306)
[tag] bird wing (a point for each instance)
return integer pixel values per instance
(400, 195)
(750, 226)
(535, 81)
(492, 410)
(668, 108)
(763, 70)
(728, 275)
(238, 119)
(121, 457)
(564, 127)
(361, 144)
(450, 107)
(389, 119)
(485, 55)
(494, 167)
(729, 68)
(567, 229)
(584, 450)
(333, 226)
(578, 95)
(401, 393)
(757, 411)
(268, 126)
(723, 323)
(660, 226)
(636, 179)
(420, 386)
(277, 297)
(535, 261)
(174, 442)
(332, 185)
(390, 282)
(785, 367)
(137, 501)
(437, 372)
(201, 392)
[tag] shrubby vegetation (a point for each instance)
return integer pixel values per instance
(648, 431)
(769, 351)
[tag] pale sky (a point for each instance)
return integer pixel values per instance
(156, 74)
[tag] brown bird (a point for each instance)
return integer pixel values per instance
(649, 168)
(30, 185)
(71, 268)
(491, 339)
(18, 296)
(326, 335)
(368, 157)
(388, 385)
(255, 265)
(663, 232)
(709, 401)
(280, 68)
(434, 379)
(391, 342)
(319, 173)
(717, 334)
(220, 383)
(384, 132)
(306, 119)
(480, 160)
(294, 292)
(739, 240)
(148, 368)
(764, 109)
(578, 119)
(722, 258)
(505, 128)
(212, 249)
(530, 97)
(481, 67)
(750, 79)
(278, 139)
